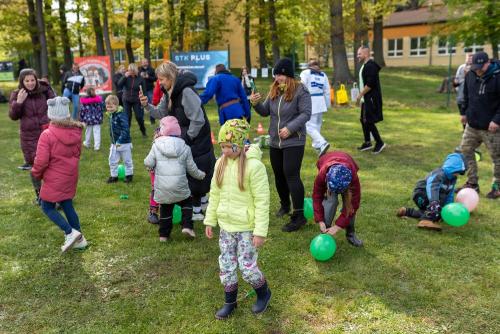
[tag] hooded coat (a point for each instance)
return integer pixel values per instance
(33, 116)
(171, 158)
(57, 158)
(372, 107)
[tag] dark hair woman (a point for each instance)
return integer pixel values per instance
(289, 105)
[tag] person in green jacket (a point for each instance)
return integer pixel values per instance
(239, 204)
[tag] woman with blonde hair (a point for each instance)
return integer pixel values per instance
(181, 100)
(289, 105)
(131, 84)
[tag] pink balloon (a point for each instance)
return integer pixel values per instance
(469, 198)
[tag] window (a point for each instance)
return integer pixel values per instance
(444, 46)
(473, 48)
(418, 46)
(119, 55)
(395, 48)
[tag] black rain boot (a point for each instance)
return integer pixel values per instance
(297, 220)
(263, 298)
(350, 235)
(229, 306)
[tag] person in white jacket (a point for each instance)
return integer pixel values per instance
(319, 88)
(171, 158)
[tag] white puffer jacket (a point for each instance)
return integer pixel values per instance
(171, 158)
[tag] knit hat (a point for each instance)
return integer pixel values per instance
(284, 66)
(169, 126)
(58, 108)
(338, 178)
(234, 131)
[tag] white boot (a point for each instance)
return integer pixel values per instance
(70, 239)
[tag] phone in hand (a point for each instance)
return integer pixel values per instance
(252, 84)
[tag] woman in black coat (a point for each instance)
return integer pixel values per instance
(131, 84)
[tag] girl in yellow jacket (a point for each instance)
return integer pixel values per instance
(239, 204)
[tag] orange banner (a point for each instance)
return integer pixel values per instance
(97, 73)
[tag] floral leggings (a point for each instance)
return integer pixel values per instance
(236, 248)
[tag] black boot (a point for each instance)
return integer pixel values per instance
(263, 298)
(297, 220)
(284, 210)
(350, 235)
(229, 306)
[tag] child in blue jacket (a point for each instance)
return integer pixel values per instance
(434, 192)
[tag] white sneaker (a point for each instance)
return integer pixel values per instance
(188, 232)
(198, 216)
(323, 149)
(81, 243)
(70, 239)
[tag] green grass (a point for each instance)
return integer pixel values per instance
(403, 280)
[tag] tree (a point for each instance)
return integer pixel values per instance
(341, 71)
(261, 34)
(147, 30)
(360, 33)
(79, 27)
(274, 31)
(96, 23)
(248, 61)
(182, 24)
(378, 33)
(129, 32)
(51, 42)
(206, 19)
(44, 57)
(63, 27)
(105, 30)
(35, 37)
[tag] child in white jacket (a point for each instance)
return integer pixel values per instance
(171, 158)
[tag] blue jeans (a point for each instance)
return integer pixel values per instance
(75, 98)
(72, 221)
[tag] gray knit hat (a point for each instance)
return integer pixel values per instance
(58, 108)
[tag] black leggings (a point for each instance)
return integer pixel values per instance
(139, 114)
(166, 216)
(286, 163)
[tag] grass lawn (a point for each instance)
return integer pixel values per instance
(403, 280)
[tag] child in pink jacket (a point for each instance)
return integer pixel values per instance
(56, 163)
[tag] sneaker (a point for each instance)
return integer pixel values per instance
(153, 218)
(86, 145)
(365, 146)
(429, 225)
(198, 216)
(129, 178)
(204, 206)
(468, 185)
(296, 222)
(378, 148)
(112, 179)
(323, 149)
(70, 239)
(26, 166)
(401, 212)
(81, 243)
(163, 239)
(97, 148)
(282, 211)
(188, 232)
(495, 192)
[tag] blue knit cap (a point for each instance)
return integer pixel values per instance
(338, 178)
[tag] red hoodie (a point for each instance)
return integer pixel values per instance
(57, 158)
(320, 187)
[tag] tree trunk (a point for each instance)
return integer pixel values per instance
(206, 18)
(274, 31)
(493, 37)
(147, 31)
(52, 44)
(360, 34)
(262, 42)
(79, 28)
(63, 26)
(128, 34)
(35, 38)
(107, 40)
(171, 22)
(341, 71)
(248, 60)
(182, 22)
(96, 23)
(44, 57)
(378, 38)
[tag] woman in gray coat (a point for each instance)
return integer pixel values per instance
(289, 105)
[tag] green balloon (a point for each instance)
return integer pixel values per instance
(455, 214)
(323, 247)
(308, 208)
(177, 215)
(121, 172)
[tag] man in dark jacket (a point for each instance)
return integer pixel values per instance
(370, 99)
(229, 94)
(149, 76)
(116, 79)
(481, 113)
(73, 82)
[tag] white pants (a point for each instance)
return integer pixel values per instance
(96, 130)
(313, 128)
(124, 152)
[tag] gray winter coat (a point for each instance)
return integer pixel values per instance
(293, 115)
(171, 158)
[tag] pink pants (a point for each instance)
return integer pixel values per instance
(152, 203)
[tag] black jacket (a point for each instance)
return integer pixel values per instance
(482, 97)
(130, 86)
(74, 81)
(150, 80)
(372, 107)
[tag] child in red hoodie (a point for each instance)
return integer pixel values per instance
(337, 175)
(56, 163)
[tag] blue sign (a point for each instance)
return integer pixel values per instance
(202, 64)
